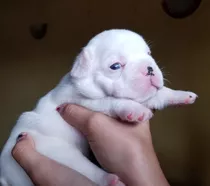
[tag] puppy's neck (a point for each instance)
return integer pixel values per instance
(71, 89)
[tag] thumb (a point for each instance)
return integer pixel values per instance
(77, 116)
(24, 151)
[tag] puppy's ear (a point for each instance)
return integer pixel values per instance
(82, 66)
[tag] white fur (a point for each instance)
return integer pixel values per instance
(128, 93)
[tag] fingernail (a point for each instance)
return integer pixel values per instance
(60, 108)
(21, 136)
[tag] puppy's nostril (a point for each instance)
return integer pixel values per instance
(150, 69)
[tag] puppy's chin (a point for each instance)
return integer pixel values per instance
(140, 92)
(146, 87)
(151, 91)
(146, 93)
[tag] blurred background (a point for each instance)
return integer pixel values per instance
(40, 39)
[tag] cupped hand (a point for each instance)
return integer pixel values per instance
(122, 148)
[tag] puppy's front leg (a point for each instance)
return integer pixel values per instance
(125, 109)
(131, 111)
(166, 97)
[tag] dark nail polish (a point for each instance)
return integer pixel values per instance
(61, 108)
(21, 136)
(58, 109)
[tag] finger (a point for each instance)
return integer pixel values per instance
(43, 170)
(24, 152)
(76, 116)
(86, 121)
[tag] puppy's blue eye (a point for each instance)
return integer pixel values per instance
(115, 66)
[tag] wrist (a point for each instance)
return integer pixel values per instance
(143, 168)
(56, 174)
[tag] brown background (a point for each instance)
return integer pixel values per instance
(30, 68)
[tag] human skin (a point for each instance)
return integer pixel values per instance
(131, 154)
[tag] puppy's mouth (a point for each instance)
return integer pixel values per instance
(155, 82)
(153, 85)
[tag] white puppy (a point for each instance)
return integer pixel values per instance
(114, 74)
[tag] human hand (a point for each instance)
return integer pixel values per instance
(42, 170)
(121, 148)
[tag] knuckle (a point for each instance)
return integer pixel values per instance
(17, 149)
(94, 119)
(14, 151)
(68, 109)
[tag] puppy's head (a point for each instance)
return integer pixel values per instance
(117, 63)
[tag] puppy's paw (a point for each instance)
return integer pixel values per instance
(134, 112)
(190, 98)
(184, 98)
(112, 180)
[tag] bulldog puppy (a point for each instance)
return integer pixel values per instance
(114, 74)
